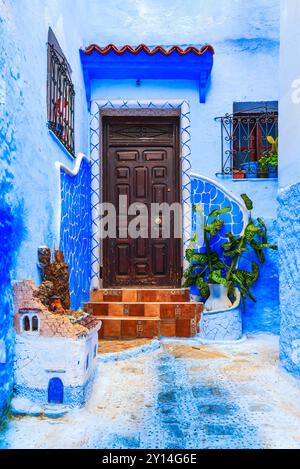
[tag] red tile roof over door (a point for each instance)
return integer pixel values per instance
(149, 50)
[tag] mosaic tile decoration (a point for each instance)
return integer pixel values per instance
(75, 230)
(212, 197)
(95, 152)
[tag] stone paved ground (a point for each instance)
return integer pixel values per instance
(181, 395)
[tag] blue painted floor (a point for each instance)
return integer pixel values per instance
(181, 396)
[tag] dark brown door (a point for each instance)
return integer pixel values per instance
(141, 161)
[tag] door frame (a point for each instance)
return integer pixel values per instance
(137, 107)
(177, 244)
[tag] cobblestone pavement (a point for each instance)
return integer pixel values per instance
(182, 395)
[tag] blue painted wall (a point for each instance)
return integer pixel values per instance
(36, 179)
(75, 231)
(246, 69)
(226, 87)
(11, 213)
(245, 37)
(29, 181)
(289, 181)
(264, 315)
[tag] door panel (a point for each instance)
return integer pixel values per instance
(141, 161)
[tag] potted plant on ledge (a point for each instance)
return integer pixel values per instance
(220, 280)
(268, 163)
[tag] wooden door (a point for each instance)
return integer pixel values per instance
(141, 162)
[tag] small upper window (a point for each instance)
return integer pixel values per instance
(35, 323)
(249, 141)
(60, 95)
(26, 324)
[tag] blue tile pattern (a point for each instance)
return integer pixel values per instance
(75, 231)
(221, 326)
(212, 197)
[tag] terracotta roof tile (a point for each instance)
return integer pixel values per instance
(149, 50)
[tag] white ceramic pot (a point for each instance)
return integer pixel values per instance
(222, 324)
(218, 299)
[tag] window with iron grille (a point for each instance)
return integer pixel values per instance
(60, 95)
(246, 141)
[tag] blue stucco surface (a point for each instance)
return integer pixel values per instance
(289, 262)
(10, 237)
(31, 197)
(73, 396)
(11, 218)
(75, 231)
(264, 315)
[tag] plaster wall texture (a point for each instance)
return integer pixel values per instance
(11, 211)
(38, 359)
(239, 74)
(36, 179)
(289, 94)
(29, 181)
(191, 21)
(246, 68)
(289, 195)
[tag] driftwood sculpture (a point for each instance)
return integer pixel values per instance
(55, 279)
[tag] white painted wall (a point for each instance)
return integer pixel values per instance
(179, 22)
(289, 125)
(244, 35)
(246, 66)
(36, 179)
(38, 359)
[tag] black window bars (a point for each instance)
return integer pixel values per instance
(60, 96)
(244, 141)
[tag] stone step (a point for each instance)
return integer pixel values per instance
(180, 310)
(133, 295)
(129, 327)
(134, 327)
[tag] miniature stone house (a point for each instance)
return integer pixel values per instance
(55, 354)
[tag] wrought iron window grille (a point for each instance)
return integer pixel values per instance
(244, 141)
(60, 98)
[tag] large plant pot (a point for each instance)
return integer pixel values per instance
(222, 325)
(218, 298)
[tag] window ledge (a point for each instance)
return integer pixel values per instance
(256, 180)
(62, 147)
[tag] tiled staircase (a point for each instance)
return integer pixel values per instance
(145, 313)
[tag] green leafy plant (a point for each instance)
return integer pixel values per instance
(203, 266)
(274, 143)
(223, 268)
(269, 157)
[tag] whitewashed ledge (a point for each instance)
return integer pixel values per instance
(78, 160)
(127, 354)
